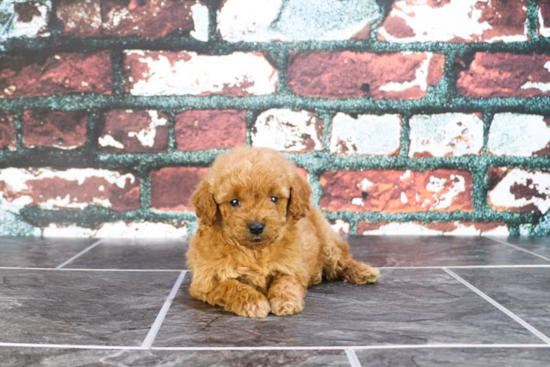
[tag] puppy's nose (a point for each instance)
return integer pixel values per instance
(256, 227)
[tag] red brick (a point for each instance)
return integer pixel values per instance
(7, 132)
(128, 131)
(394, 191)
(303, 172)
(152, 19)
(171, 187)
(518, 190)
(348, 74)
(168, 73)
(70, 189)
(81, 18)
(505, 75)
(210, 129)
(58, 74)
(465, 21)
(60, 129)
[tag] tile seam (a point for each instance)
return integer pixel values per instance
(60, 266)
(500, 307)
(352, 357)
(157, 324)
(517, 248)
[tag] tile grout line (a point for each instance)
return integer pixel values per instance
(69, 346)
(518, 248)
(100, 270)
(352, 357)
(78, 255)
(278, 348)
(509, 313)
(464, 267)
(534, 266)
(358, 347)
(153, 331)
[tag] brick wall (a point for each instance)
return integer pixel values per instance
(426, 116)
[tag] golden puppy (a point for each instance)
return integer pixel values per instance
(260, 244)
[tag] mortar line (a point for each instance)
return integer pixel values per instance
(78, 255)
(212, 21)
(117, 67)
(487, 117)
(532, 22)
(18, 130)
(249, 120)
(172, 139)
(503, 309)
(518, 248)
(153, 331)
(145, 189)
(405, 137)
(352, 357)
(95, 120)
(327, 118)
(353, 226)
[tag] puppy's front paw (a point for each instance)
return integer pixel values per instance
(286, 304)
(255, 306)
(361, 273)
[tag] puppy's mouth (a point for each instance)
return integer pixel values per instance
(256, 239)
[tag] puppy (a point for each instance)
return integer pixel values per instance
(260, 244)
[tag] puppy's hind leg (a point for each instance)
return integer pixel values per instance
(340, 265)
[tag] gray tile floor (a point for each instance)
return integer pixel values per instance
(440, 301)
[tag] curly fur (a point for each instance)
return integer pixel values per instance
(253, 275)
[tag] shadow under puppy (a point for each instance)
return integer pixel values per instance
(260, 244)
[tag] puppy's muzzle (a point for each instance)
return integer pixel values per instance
(256, 228)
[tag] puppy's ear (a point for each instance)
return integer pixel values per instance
(300, 194)
(203, 201)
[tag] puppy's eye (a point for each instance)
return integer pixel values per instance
(275, 199)
(235, 203)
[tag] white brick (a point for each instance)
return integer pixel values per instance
(438, 229)
(444, 21)
(180, 73)
(36, 27)
(118, 230)
(520, 190)
(515, 134)
(366, 134)
(444, 135)
(287, 131)
(295, 20)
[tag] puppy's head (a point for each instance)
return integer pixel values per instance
(252, 195)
